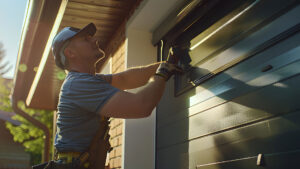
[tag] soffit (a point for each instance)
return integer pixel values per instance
(107, 15)
(36, 29)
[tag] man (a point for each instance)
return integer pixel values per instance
(85, 96)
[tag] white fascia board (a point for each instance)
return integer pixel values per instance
(47, 49)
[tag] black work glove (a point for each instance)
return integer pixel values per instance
(166, 70)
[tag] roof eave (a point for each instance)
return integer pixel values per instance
(40, 17)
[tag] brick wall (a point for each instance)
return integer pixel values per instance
(115, 156)
(118, 59)
(116, 125)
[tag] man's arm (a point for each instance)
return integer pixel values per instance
(135, 105)
(134, 77)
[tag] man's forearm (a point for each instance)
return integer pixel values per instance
(135, 105)
(137, 76)
(143, 73)
(152, 92)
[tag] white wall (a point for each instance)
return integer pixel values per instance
(151, 13)
(107, 67)
(139, 134)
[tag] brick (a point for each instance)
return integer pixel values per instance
(112, 154)
(112, 142)
(114, 126)
(119, 121)
(120, 161)
(117, 162)
(112, 163)
(112, 122)
(118, 62)
(111, 160)
(119, 66)
(120, 140)
(113, 132)
(110, 132)
(119, 129)
(116, 122)
(119, 151)
(119, 51)
(120, 69)
(115, 142)
(118, 54)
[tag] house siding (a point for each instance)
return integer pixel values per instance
(12, 154)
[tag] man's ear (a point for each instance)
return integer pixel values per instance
(69, 53)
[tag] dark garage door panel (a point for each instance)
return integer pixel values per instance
(248, 103)
(244, 72)
(276, 138)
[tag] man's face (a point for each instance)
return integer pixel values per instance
(86, 48)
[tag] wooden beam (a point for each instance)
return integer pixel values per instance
(100, 28)
(68, 18)
(95, 8)
(92, 15)
(109, 3)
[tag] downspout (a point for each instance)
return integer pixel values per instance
(17, 110)
(33, 13)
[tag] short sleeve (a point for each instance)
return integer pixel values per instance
(91, 92)
(106, 77)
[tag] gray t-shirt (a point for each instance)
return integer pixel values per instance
(81, 98)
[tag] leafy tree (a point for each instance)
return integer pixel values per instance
(5, 84)
(4, 68)
(31, 137)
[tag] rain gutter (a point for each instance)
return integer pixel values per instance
(30, 26)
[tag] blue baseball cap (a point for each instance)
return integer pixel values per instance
(61, 41)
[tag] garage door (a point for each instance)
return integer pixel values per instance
(237, 104)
